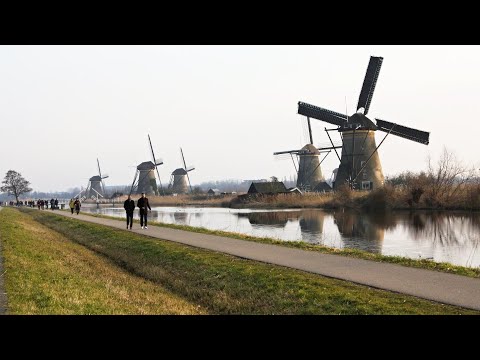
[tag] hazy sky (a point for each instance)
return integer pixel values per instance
(229, 107)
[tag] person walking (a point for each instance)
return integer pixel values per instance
(56, 203)
(129, 206)
(143, 204)
(52, 204)
(77, 205)
(72, 205)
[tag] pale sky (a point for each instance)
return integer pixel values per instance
(229, 107)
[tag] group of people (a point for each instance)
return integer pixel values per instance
(41, 204)
(143, 205)
(75, 204)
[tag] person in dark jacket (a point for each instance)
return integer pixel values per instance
(129, 206)
(77, 205)
(143, 204)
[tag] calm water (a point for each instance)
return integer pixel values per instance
(452, 237)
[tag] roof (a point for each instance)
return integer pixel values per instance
(365, 122)
(214, 190)
(311, 149)
(146, 165)
(179, 171)
(294, 190)
(95, 178)
(322, 186)
(267, 187)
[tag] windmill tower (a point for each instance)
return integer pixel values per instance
(360, 166)
(178, 180)
(308, 158)
(96, 187)
(144, 180)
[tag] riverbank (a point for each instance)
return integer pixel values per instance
(180, 200)
(213, 282)
(386, 198)
(383, 199)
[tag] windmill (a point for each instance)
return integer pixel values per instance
(360, 166)
(144, 180)
(96, 186)
(310, 177)
(178, 180)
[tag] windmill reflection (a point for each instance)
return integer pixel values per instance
(180, 218)
(363, 230)
(310, 221)
(276, 219)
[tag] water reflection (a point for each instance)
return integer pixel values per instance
(445, 228)
(278, 219)
(180, 218)
(311, 221)
(451, 237)
(365, 231)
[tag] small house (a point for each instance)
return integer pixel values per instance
(213, 192)
(275, 187)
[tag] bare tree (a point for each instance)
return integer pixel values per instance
(15, 184)
(446, 178)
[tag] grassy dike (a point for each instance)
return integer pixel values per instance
(47, 273)
(360, 254)
(61, 265)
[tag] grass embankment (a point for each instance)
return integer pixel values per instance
(46, 273)
(219, 283)
(360, 254)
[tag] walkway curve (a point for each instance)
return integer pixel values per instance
(427, 284)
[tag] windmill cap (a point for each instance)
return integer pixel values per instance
(146, 165)
(179, 171)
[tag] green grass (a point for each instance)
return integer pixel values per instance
(422, 263)
(219, 283)
(46, 273)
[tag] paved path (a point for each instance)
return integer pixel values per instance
(3, 294)
(432, 285)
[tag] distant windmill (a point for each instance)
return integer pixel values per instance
(96, 186)
(144, 180)
(360, 166)
(309, 171)
(178, 180)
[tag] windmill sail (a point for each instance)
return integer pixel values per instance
(403, 131)
(185, 167)
(369, 83)
(322, 114)
(133, 183)
(156, 162)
